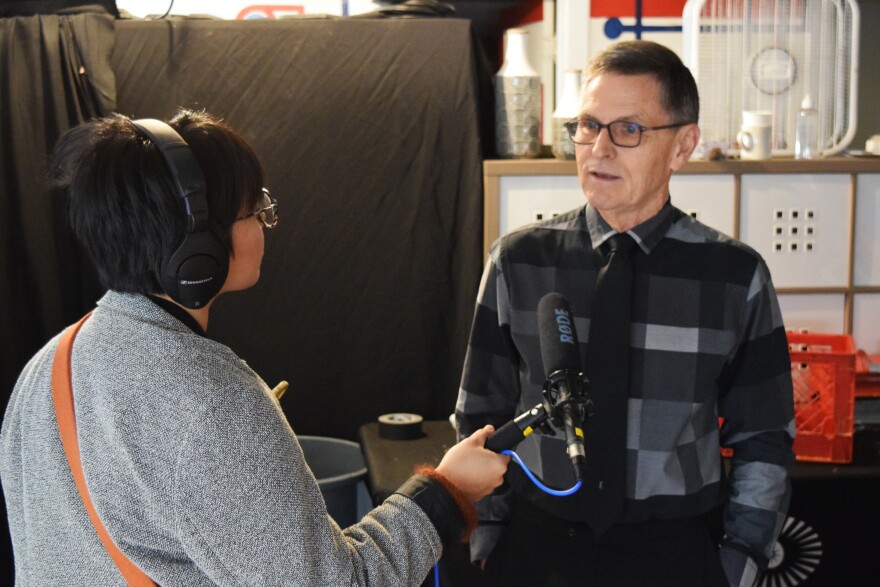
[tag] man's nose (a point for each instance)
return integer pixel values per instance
(604, 145)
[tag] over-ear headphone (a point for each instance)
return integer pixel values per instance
(196, 268)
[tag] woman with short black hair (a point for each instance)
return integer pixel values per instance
(186, 456)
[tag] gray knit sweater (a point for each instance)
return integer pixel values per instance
(192, 467)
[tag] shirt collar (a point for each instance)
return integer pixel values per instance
(178, 313)
(647, 234)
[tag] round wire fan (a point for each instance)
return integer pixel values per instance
(796, 555)
(769, 55)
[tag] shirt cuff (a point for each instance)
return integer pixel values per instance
(439, 504)
(741, 569)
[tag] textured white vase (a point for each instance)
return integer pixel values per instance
(567, 108)
(517, 101)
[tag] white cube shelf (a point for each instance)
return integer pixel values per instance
(816, 223)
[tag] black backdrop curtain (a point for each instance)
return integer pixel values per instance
(54, 73)
(369, 130)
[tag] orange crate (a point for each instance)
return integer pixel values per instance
(823, 378)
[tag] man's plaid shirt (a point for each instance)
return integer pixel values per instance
(707, 342)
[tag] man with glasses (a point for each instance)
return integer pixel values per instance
(703, 339)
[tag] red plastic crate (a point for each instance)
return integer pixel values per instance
(823, 378)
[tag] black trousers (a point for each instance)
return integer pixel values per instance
(540, 550)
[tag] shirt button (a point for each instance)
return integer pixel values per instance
(572, 532)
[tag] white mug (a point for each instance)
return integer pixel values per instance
(755, 137)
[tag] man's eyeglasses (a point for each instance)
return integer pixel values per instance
(622, 132)
(267, 212)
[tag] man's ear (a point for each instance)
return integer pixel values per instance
(687, 139)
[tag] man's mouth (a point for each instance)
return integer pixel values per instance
(603, 176)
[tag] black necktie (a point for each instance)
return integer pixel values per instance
(608, 373)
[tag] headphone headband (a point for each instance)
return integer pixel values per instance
(184, 169)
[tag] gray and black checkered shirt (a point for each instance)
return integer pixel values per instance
(707, 342)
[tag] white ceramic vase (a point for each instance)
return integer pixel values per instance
(566, 109)
(517, 101)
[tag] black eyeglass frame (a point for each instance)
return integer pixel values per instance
(572, 125)
(261, 213)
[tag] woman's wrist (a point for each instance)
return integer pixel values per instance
(466, 508)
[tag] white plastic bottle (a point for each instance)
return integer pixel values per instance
(806, 142)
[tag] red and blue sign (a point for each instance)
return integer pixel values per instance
(639, 9)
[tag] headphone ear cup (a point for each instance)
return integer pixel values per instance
(196, 271)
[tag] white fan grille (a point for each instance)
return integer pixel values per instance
(767, 55)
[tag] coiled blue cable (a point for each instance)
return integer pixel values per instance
(537, 482)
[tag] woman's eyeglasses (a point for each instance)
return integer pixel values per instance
(267, 212)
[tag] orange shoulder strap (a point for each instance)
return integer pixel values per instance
(62, 396)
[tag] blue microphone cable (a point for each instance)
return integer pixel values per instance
(537, 482)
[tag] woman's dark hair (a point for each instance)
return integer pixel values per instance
(678, 90)
(122, 204)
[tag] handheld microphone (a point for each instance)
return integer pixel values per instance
(517, 429)
(562, 366)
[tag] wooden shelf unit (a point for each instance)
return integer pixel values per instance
(756, 172)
